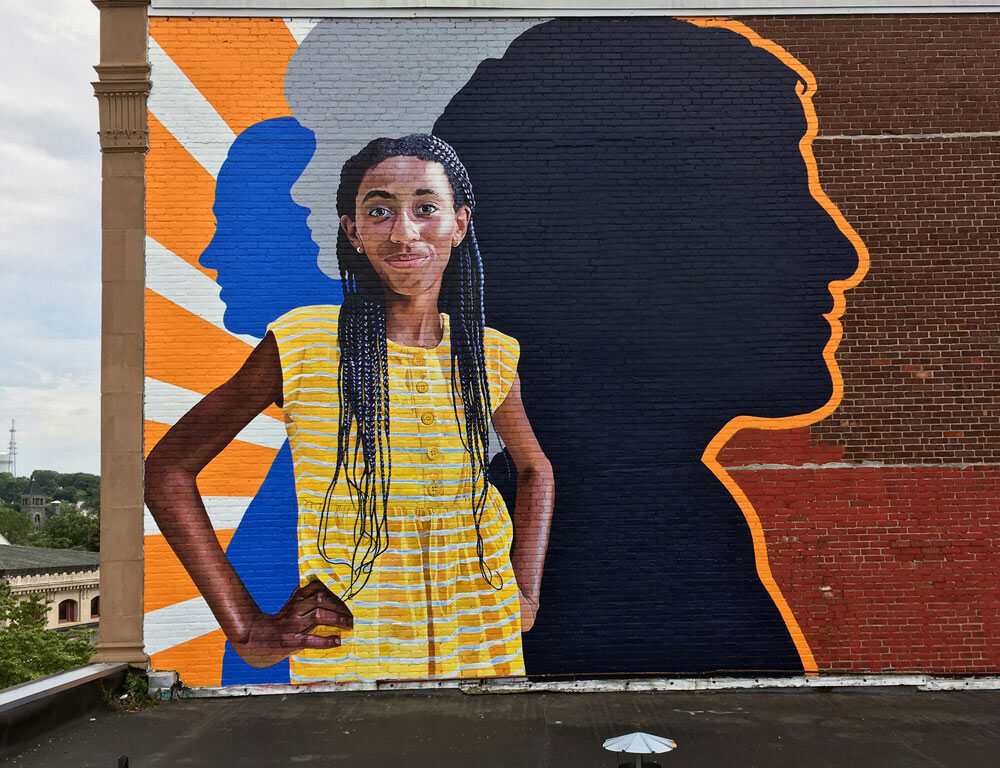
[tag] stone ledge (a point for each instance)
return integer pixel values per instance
(38, 705)
(473, 686)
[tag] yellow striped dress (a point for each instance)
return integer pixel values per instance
(426, 611)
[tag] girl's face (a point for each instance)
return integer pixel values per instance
(406, 223)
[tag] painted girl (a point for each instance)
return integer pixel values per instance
(408, 563)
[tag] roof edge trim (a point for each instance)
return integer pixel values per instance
(424, 8)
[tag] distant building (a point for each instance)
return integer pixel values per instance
(5, 462)
(70, 579)
(33, 501)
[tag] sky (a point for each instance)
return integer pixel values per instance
(50, 238)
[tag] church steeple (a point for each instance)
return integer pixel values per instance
(33, 502)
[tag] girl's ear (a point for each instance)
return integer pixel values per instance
(462, 218)
(351, 230)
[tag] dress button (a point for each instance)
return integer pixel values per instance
(422, 386)
(419, 358)
(427, 417)
(434, 489)
(433, 453)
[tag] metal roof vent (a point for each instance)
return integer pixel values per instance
(640, 744)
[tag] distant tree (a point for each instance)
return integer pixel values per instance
(11, 489)
(70, 530)
(15, 525)
(27, 649)
(80, 488)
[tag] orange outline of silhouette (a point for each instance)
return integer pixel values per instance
(805, 90)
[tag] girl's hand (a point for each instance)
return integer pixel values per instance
(273, 637)
(529, 608)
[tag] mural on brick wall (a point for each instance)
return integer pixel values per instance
(450, 405)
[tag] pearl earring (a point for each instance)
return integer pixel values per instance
(360, 250)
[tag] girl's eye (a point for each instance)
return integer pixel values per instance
(427, 209)
(378, 212)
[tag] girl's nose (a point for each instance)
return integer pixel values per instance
(404, 229)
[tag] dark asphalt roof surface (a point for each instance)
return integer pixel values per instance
(15, 559)
(448, 729)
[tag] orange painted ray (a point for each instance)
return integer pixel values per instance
(199, 661)
(184, 350)
(237, 471)
(167, 582)
(237, 64)
(179, 197)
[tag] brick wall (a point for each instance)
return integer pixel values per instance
(887, 550)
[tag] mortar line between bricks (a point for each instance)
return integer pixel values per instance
(865, 465)
(908, 136)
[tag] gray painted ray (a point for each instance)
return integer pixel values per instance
(353, 80)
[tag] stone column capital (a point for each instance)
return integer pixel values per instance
(121, 93)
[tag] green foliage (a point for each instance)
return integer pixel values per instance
(70, 530)
(15, 525)
(75, 487)
(132, 696)
(27, 649)
(11, 489)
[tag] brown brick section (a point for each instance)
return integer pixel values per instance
(921, 351)
(922, 332)
(896, 74)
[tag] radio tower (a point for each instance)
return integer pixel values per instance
(12, 452)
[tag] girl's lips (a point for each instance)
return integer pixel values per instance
(407, 260)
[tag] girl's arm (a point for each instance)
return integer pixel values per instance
(171, 493)
(535, 497)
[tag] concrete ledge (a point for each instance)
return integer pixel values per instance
(916, 682)
(38, 705)
(816, 682)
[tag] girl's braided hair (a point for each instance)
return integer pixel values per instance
(364, 368)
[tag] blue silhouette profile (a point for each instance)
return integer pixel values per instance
(267, 265)
(263, 248)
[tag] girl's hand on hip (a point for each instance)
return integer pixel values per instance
(529, 608)
(273, 637)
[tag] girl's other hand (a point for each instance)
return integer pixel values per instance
(529, 609)
(273, 637)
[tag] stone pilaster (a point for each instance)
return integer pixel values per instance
(121, 90)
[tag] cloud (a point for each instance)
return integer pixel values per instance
(58, 423)
(50, 262)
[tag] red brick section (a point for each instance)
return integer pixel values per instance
(893, 567)
(887, 569)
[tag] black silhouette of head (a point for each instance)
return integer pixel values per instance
(653, 243)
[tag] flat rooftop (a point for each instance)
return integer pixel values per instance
(450, 729)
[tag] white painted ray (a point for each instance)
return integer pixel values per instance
(165, 403)
(300, 28)
(165, 628)
(179, 105)
(175, 280)
(225, 512)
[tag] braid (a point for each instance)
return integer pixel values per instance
(364, 400)
(364, 367)
(474, 387)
